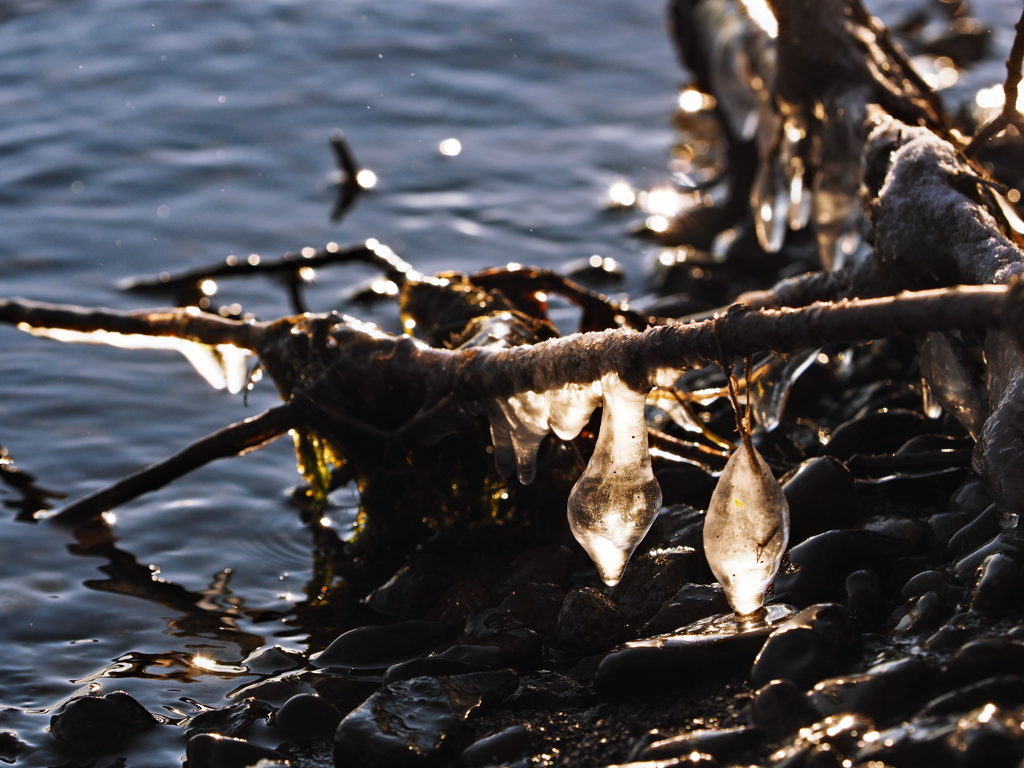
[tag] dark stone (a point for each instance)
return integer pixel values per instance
(549, 564)
(818, 642)
(941, 528)
(948, 637)
(460, 601)
(980, 529)
(234, 721)
(971, 498)
(273, 660)
(818, 567)
(686, 484)
(966, 568)
(10, 745)
(653, 578)
(675, 660)
(983, 658)
(865, 604)
(100, 723)
(690, 603)
(208, 750)
(588, 623)
(381, 647)
(541, 690)
(822, 496)
(999, 587)
(502, 651)
(882, 693)
(905, 568)
(1006, 691)
(725, 744)
(911, 530)
(528, 606)
(307, 715)
(679, 525)
(412, 590)
(924, 615)
(824, 743)
(932, 580)
(780, 709)
(912, 744)
(883, 431)
(433, 666)
(409, 721)
(498, 748)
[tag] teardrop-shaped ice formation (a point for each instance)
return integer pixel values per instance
(746, 529)
(614, 502)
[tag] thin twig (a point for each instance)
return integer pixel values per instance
(1009, 115)
(233, 440)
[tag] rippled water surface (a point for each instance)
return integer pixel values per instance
(138, 137)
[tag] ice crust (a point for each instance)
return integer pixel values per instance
(746, 529)
(614, 502)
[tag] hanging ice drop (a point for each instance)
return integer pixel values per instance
(613, 504)
(746, 529)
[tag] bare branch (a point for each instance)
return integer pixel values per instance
(1009, 115)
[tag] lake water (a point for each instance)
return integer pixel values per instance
(138, 137)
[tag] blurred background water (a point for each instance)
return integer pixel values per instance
(139, 136)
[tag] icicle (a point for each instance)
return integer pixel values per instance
(746, 529)
(769, 390)
(222, 366)
(615, 501)
(946, 367)
(838, 208)
(779, 199)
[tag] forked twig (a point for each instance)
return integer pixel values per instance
(1009, 115)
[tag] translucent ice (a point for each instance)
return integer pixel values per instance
(746, 529)
(224, 366)
(954, 379)
(616, 499)
(769, 390)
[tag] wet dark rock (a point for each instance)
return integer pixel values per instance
(273, 660)
(503, 650)
(460, 601)
(779, 709)
(527, 606)
(234, 720)
(822, 496)
(10, 745)
(924, 615)
(883, 431)
(690, 603)
(653, 578)
(983, 658)
(823, 743)
(865, 604)
(948, 637)
(941, 528)
(207, 750)
(922, 743)
(546, 689)
(819, 566)
(999, 587)
(100, 723)
(549, 564)
(589, 622)
(678, 525)
(980, 529)
(725, 744)
(932, 580)
(686, 484)
(1006, 691)
(668, 660)
(882, 693)
(307, 715)
(412, 590)
(908, 529)
(905, 568)
(818, 642)
(971, 498)
(406, 722)
(342, 692)
(966, 567)
(432, 666)
(498, 748)
(381, 647)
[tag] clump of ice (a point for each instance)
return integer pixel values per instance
(746, 529)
